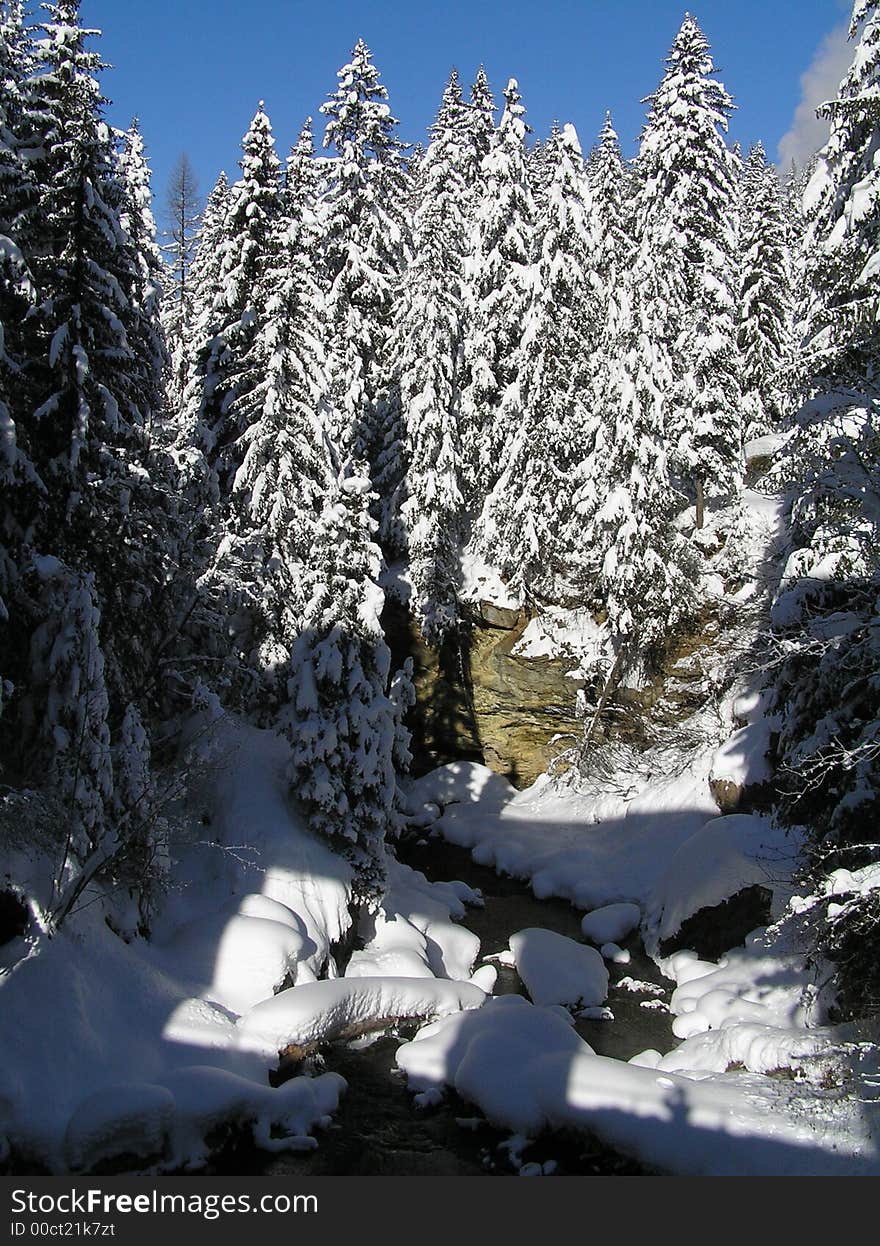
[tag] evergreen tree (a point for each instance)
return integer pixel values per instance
(526, 528)
(481, 130)
(843, 203)
(220, 396)
(686, 207)
(340, 720)
(765, 310)
(499, 294)
(427, 343)
(362, 250)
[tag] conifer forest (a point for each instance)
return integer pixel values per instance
(409, 538)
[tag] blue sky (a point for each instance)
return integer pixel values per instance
(194, 70)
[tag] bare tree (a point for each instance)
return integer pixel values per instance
(183, 215)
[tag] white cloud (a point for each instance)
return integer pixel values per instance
(818, 83)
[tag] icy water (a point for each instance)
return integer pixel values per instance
(378, 1130)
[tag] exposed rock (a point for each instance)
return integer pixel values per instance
(502, 617)
(712, 931)
(728, 796)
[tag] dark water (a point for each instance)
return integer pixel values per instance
(378, 1130)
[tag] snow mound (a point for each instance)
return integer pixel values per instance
(319, 1012)
(492, 1058)
(611, 923)
(168, 1124)
(723, 857)
(556, 970)
(244, 958)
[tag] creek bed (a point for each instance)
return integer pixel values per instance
(379, 1131)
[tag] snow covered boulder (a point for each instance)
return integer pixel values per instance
(297, 1021)
(718, 886)
(611, 923)
(493, 1058)
(741, 762)
(556, 970)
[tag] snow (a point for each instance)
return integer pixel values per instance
(611, 923)
(322, 1011)
(556, 970)
(723, 857)
(481, 582)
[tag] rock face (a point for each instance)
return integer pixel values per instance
(520, 705)
(478, 702)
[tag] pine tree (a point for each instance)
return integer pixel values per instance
(499, 293)
(362, 250)
(843, 204)
(481, 130)
(340, 720)
(427, 342)
(765, 309)
(526, 528)
(609, 182)
(686, 207)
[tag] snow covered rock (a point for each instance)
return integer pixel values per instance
(556, 970)
(611, 923)
(727, 856)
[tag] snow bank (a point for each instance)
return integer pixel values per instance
(528, 1071)
(168, 1124)
(723, 857)
(556, 970)
(306, 1016)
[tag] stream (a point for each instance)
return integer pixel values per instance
(378, 1130)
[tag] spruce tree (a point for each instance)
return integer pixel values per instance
(527, 527)
(843, 204)
(686, 208)
(361, 248)
(340, 720)
(765, 309)
(499, 294)
(427, 342)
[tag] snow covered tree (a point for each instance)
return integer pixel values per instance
(765, 309)
(91, 377)
(182, 208)
(526, 528)
(609, 182)
(427, 344)
(499, 294)
(686, 209)
(361, 249)
(842, 202)
(481, 130)
(219, 398)
(340, 720)
(143, 327)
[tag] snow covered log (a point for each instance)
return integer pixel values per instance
(296, 1022)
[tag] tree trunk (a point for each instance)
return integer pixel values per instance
(701, 503)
